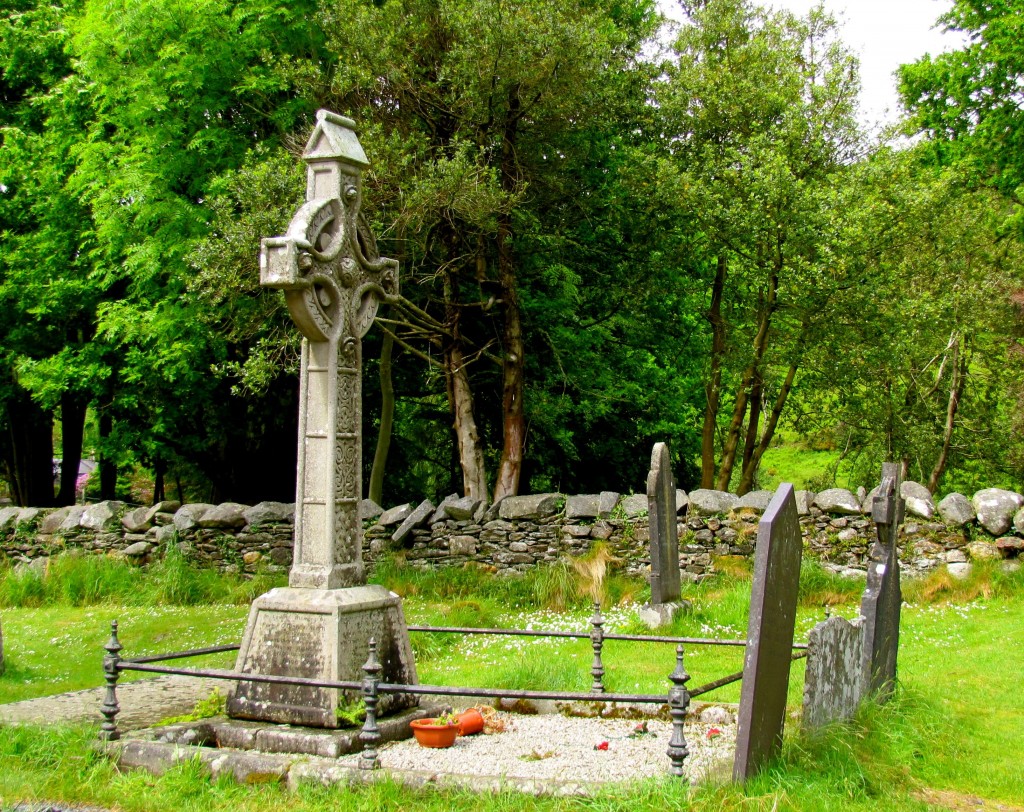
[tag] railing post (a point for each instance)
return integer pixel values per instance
(597, 641)
(370, 734)
(678, 702)
(111, 672)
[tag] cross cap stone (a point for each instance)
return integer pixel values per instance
(334, 138)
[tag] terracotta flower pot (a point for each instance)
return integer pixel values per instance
(470, 721)
(429, 734)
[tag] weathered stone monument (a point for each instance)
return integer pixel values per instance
(770, 630)
(320, 624)
(880, 605)
(833, 681)
(661, 512)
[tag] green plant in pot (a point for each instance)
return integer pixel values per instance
(439, 731)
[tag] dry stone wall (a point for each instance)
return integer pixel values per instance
(521, 532)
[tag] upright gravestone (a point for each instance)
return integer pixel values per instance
(880, 605)
(320, 624)
(770, 630)
(833, 681)
(661, 512)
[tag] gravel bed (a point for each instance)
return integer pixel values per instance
(554, 747)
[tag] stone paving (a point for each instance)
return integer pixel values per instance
(143, 702)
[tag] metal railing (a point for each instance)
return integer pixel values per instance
(677, 698)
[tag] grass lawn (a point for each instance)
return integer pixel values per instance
(953, 731)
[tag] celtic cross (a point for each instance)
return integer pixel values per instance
(333, 280)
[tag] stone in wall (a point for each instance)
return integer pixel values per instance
(704, 502)
(837, 500)
(265, 513)
(584, 506)
(754, 500)
(537, 506)
(996, 508)
(956, 510)
(187, 517)
(395, 515)
(918, 499)
(229, 515)
(634, 505)
(415, 518)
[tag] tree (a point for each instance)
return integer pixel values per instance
(470, 105)
(968, 101)
(759, 129)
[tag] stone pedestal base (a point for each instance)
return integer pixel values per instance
(319, 634)
(661, 614)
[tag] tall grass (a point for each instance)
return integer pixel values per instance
(557, 586)
(986, 579)
(87, 580)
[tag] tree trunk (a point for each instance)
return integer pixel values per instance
(742, 395)
(512, 412)
(471, 456)
(387, 416)
(753, 425)
(460, 397)
(30, 452)
(714, 387)
(108, 468)
(72, 426)
(159, 492)
(754, 461)
(958, 365)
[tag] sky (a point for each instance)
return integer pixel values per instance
(884, 34)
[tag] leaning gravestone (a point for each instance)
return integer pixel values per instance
(661, 511)
(833, 682)
(320, 624)
(880, 605)
(770, 632)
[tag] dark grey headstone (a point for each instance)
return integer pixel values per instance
(880, 605)
(661, 508)
(833, 684)
(770, 631)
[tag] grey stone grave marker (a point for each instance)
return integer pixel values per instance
(770, 630)
(661, 512)
(320, 624)
(880, 605)
(833, 684)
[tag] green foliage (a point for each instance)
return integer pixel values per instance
(351, 713)
(213, 705)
